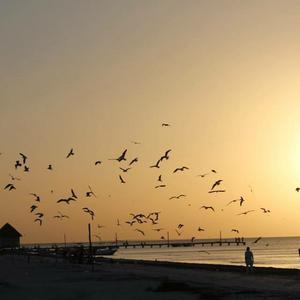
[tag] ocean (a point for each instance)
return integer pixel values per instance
(278, 252)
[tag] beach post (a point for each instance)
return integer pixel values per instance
(168, 239)
(91, 261)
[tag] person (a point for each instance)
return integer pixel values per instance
(249, 259)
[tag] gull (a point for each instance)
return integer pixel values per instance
(166, 155)
(297, 189)
(24, 157)
(130, 222)
(71, 152)
(90, 193)
(135, 160)
(121, 179)
(14, 178)
(200, 229)
(207, 207)
(241, 199)
(66, 200)
(179, 233)
(26, 169)
(73, 194)
(142, 232)
(156, 165)
(218, 182)
(38, 220)
(217, 191)
(135, 142)
(158, 229)
(100, 226)
(214, 171)
(192, 239)
(202, 175)
(159, 178)
(180, 169)
(121, 157)
(10, 187)
(89, 211)
(40, 215)
(177, 197)
(156, 214)
(265, 210)
(235, 230)
(179, 226)
(17, 164)
(165, 124)
(125, 170)
(32, 208)
(160, 186)
(37, 198)
(61, 216)
(98, 162)
(49, 167)
(258, 239)
(246, 212)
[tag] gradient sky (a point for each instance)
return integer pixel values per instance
(96, 75)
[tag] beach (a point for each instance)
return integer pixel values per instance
(46, 278)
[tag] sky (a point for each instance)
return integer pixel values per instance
(97, 75)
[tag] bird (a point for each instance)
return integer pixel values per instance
(73, 194)
(24, 158)
(245, 212)
(139, 230)
(216, 191)
(121, 179)
(165, 124)
(218, 182)
(207, 207)
(179, 233)
(125, 170)
(258, 239)
(71, 152)
(177, 197)
(65, 200)
(159, 178)
(39, 220)
(241, 200)
(179, 226)
(157, 229)
(160, 186)
(135, 142)
(156, 165)
(89, 211)
(214, 171)
(192, 239)
(10, 187)
(90, 193)
(37, 198)
(135, 160)
(14, 178)
(200, 229)
(33, 207)
(235, 230)
(98, 162)
(49, 167)
(26, 169)
(100, 226)
(202, 175)
(265, 210)
(166, 155)
(40, 215)
(180, 169)
(121, 157)
(118, 222)
(17, 164)
(297, 189)
(130, 222)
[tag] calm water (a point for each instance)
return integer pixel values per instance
(268, 252)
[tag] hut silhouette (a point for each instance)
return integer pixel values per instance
(9, 237)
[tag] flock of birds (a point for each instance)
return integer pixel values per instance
(139, 219)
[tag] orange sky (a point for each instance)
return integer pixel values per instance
(95, 76)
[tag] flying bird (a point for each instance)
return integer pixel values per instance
(125, 170)
(160, 186)
(24, 158)
(245, 212)
(37, 198)
(73, 194)
(98, 162)
(71, 152)
(49, 167)
(14, 178)
(200, 229)
(216, 191)
(142, 232)
(258, 239)
(90, 193)
(235, 230)
(10, 187)
(202, 175)
(166, 155)
(159, 178)
(33, 207)
(65, 200)
(218, 182)
(265, 210)
(121, 157)
(156, 165)
(39, 220)
(17, 164)
(297, 189)
(26, 169)
(121, 179)
(135, 160)
(207, 207)
(165, 124)
(177, 197)
(180, 169)
(179, 226)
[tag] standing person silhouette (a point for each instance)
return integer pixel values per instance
(249, 259)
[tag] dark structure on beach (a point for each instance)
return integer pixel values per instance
(9, 237)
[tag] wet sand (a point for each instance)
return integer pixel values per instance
(44, 278)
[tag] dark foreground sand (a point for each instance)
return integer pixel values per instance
(43, 278)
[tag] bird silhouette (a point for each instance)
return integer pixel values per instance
(17, 164)
(297, 189)
(202, 175)
(246, 212)
(10, 187)
(159, 178)
(166, 155)
(71, 152)
(14, 178)
(179, 226)
(139, 230)
(125, 170)
(135, 160)
(24, 158)
(165, 124)
(121, 179)
(73, 194)
(89, 211)
(90, 193)
(33, 207)
(180, 169)
(98, 162)
(121, 157)
(258, 239)
(26, 169)
(200, 229)
(49, 167)
(39, 215)
(68, 200)
(214, 171)
(235, 230)
(160, 186)
(37, 198)
(156, 165)
(265, 210)
(218, 182)
(207, 207)
(216, 191)
(177, 197)
(39, 220)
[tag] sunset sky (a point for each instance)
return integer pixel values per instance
(96, 75)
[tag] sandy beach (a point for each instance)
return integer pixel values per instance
(44, 278)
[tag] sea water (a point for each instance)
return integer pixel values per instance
(268, 252)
